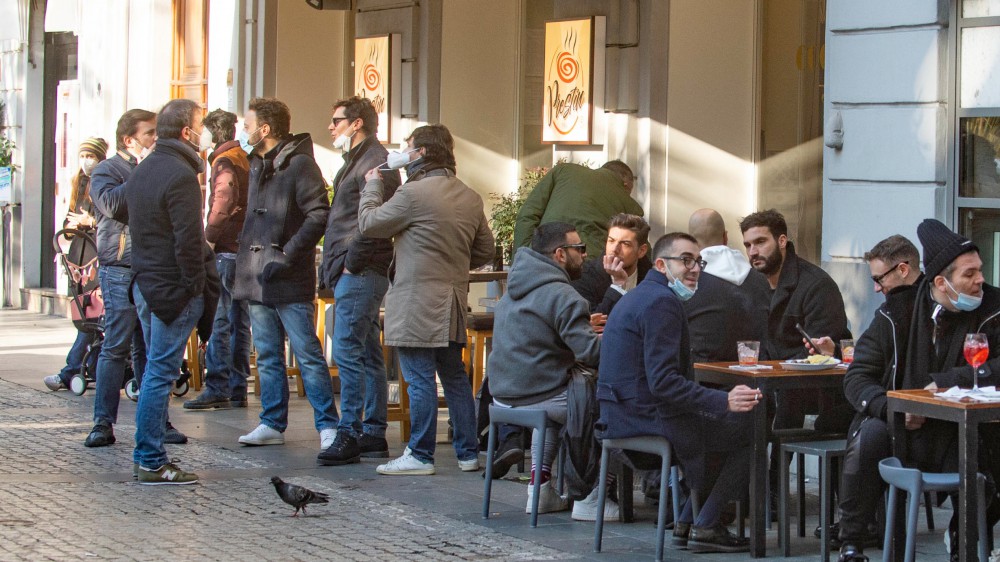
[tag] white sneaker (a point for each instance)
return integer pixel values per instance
(549, 501)
(470, 465)
(54, 382)
(263, 435)
(326, 438)
(406, 465)
(586, 509)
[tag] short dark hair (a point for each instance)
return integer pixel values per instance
(635, 223)
(771, 219)
(895, 249)
(666, 242)
(439, 147)
(175, 117)
(622, 170)
(222, 125)
(275, 113)
(550, 236)
(128, 125)
(360, 108)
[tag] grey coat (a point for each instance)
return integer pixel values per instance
(439, 233)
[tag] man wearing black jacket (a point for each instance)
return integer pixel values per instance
(174, 281)
(355, 269)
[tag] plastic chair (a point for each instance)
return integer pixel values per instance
(828, 452)
(915, 483)
(652, 444)
(523, 417)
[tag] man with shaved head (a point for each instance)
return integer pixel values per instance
(732, 298)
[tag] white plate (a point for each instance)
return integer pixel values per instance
(795, 365)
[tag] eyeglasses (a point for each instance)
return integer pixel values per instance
(336, 120)
(688, 261)
(582, 248)
(877, 279)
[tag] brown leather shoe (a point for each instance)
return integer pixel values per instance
(716, 539)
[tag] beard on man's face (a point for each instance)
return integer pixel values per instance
(771, 265)
(574, 270)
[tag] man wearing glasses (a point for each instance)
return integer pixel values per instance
(646, 387)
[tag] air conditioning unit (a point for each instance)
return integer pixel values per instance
(331, 4)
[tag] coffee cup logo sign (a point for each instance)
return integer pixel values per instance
(371, 77)
(567, 105)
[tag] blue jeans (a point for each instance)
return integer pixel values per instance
(74, 359)
(358, 352)
(227, 356)
(298, 320)
(121, 333)
(165, 345)
(419, 365)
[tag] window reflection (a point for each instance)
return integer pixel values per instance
(979, 157)
(982, 226)
(980, 8)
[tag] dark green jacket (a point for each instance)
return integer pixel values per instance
(585, 198)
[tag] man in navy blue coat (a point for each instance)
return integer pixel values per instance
(646, 387)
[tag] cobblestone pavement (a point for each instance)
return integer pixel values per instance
(69, 513)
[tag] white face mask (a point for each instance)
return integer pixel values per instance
(205, 142)
(343, 142)
(87, 165)
(397, 160)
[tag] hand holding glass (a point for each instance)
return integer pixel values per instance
(977, 351)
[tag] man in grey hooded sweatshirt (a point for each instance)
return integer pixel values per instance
(731, 303)
(541, 330)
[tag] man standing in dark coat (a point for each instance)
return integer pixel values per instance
(276, 269)
(646, 387)
(174, 281)
(732, 298)
(355, 270)
(227, 356)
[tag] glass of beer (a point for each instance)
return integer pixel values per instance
(748, 351)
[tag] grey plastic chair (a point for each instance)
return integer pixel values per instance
(915, 483)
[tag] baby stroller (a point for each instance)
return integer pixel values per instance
(77, 252)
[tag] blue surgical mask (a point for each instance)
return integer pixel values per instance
(244, 140)
(682, 291)
(965, 303)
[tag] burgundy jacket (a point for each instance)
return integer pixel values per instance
(227, 204)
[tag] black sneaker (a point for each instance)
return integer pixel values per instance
(681, 533)
(101, 436)
(372, 447)
(716, 539)
(851, 553)
(173, 436)
(238, 402)
(208, 401)
(508, 454)
(344, 450)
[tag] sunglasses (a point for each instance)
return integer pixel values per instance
(336, 120)
(582, 248)
(877, 279)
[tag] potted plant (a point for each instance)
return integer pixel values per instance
(505, 208)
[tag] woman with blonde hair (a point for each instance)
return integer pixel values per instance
(84, 257)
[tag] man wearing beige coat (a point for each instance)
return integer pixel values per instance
(439, 233)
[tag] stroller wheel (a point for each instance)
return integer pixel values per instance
(132, 390)
(78, 384)
(180, 389)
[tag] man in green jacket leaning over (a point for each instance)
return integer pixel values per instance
(583, 197)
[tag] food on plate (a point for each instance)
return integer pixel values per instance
(821, 360)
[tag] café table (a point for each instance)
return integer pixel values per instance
(776, 378)
(968, 415)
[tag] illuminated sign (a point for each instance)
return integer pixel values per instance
(568, 109)
(373, 78)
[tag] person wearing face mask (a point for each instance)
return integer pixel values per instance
(439, 232)
(134, 138)
(646, 387)
(355, 272)
(175, 285)
(227, 356)
(80, 217)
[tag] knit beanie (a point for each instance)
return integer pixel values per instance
(941, 246)
(96, 146)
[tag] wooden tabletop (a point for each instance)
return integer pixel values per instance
(486, 276)
(927, 397)
(776, 371)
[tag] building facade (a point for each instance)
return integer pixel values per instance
(855, 119)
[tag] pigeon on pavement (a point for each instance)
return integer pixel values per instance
(297, 496)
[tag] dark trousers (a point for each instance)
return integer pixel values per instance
(861, 486)
(728, 449)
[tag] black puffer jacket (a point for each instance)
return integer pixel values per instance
(879, 355)
(114, 246)
(344, 247)
(287, 209)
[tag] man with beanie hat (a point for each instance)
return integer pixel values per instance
(916, 342)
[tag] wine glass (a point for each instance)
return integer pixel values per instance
(977, 351)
